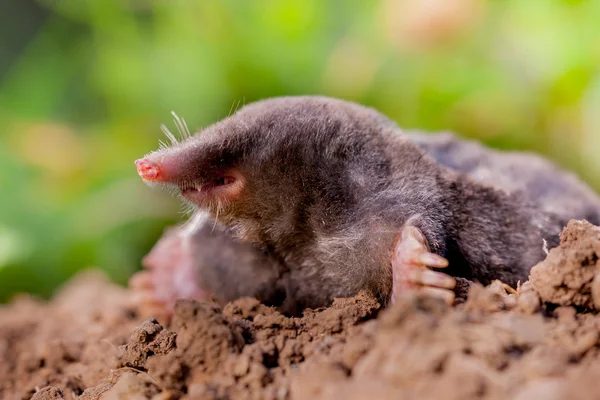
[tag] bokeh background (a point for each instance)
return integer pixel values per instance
(85, 85)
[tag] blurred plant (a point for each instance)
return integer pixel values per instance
(86, 95)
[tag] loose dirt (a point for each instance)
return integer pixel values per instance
(540, 341)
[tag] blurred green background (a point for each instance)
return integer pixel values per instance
(85, 84)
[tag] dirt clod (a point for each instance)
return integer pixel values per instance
(48, 393)
(147, 340)
(566, 276)
(541, 340)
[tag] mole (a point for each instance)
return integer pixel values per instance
(298, 200)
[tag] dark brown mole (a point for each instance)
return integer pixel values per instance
(303, 199)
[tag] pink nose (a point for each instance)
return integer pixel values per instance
(148, 170)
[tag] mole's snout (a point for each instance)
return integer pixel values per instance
(148, 170)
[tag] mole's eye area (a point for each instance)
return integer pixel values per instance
(226, 186)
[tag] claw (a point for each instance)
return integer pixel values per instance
(170, 273)
(432, 260)
(425, 277)
(140, 281)
(410, 262)
(446, 295)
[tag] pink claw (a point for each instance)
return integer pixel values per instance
(410, 268)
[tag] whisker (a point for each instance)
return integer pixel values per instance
(149, 184)
(186, 209)
(176, 121)
(186, 131)
(216, 216)
(192, 224)
(237, 105)
(181, 126)
(162, 145)
(168, 134)
(170, 189)
(231, 108)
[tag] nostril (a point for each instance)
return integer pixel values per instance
(148, 170)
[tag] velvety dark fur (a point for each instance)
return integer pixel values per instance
(331, 183)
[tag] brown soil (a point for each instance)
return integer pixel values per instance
(541, 342)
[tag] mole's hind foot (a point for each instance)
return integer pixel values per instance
(171, 273)
(410, 268)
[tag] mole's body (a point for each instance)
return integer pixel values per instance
(303, 199)
(536, 178)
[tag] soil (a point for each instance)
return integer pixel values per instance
(539, 341)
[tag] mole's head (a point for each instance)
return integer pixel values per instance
(276, 165)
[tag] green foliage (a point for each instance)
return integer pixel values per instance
(87, 94)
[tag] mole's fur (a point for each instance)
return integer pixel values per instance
(324, 187)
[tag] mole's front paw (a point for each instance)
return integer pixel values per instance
(410, 268)
(144, 299)
(171, 273)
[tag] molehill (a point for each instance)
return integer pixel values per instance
(540, 341)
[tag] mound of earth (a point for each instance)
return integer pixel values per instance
(540, 341)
